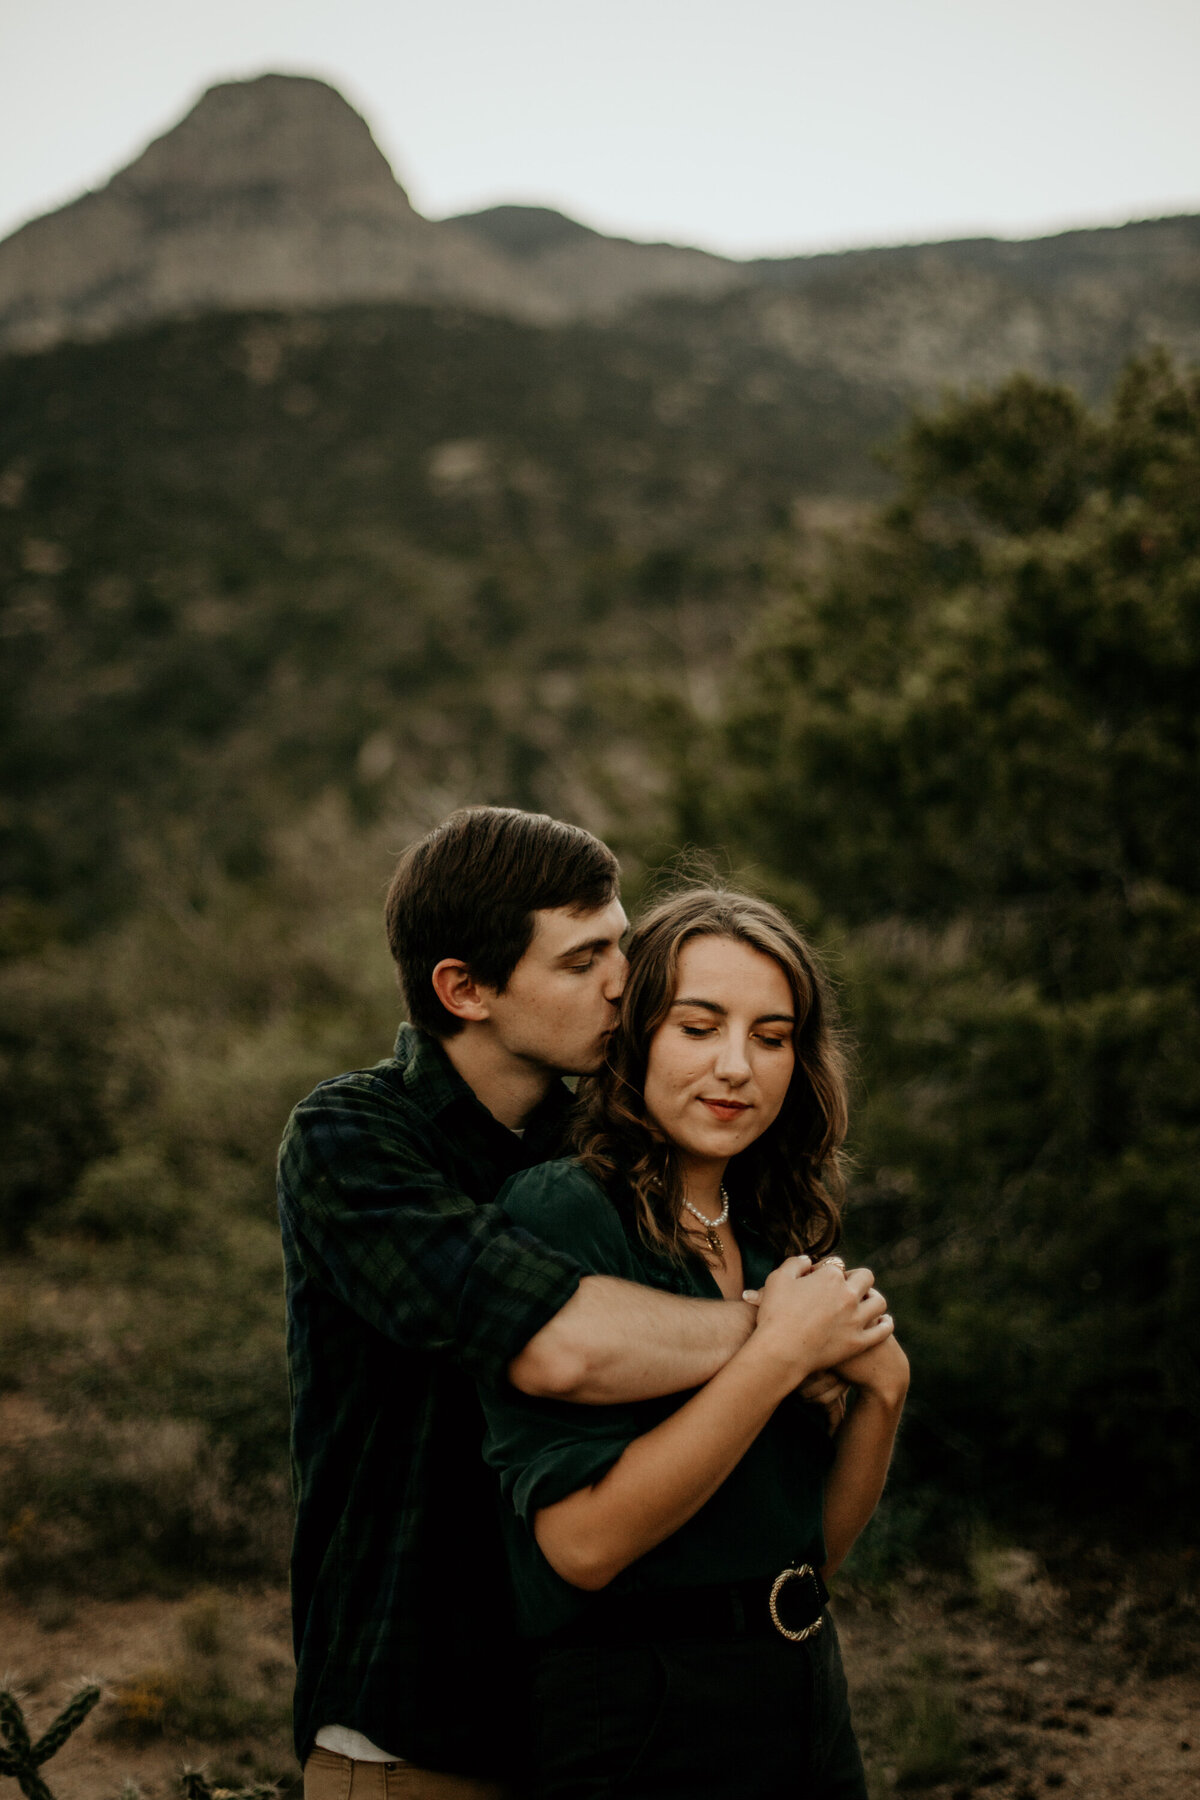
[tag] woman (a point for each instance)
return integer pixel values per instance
(668, 1556)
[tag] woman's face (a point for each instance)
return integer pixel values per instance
(720, 1063)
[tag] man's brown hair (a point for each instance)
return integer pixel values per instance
(470, 889)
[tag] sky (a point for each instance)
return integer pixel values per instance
(745, 126)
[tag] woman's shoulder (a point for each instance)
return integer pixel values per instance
(547, 1185)
(566, 1207)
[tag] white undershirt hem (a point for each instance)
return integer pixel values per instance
(344, 1742)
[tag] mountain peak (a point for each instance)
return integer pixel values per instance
(269, 193)
(524, 230)
(274, 132)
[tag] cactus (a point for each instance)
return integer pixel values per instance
(22, 1758)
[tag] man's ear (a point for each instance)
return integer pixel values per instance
(462, 996)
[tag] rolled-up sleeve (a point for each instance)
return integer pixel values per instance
(400, 1245)
(542, 1449)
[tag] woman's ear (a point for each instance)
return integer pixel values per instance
(462, 996)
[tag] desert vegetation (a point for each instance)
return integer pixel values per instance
(279, 592)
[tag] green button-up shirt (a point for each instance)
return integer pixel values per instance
(765, 1516)
(405, 1286)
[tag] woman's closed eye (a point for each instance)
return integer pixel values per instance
(770, 1040)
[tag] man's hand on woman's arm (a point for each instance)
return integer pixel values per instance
(824, 1388)
(827, 1389)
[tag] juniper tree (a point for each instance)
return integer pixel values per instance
(971, 749)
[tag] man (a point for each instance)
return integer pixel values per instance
(406, 1284)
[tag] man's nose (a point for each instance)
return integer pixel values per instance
(614, 987)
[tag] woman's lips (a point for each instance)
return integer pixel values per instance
(725, 1109)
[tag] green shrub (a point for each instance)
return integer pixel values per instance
(122, 1507)
(971, 737)
(55, 1093)
(129, 1195)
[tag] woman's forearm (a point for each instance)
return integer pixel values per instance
(806, 1321)
(864, 1450)
(665, 1476)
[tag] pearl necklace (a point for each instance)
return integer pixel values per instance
(712, 1226)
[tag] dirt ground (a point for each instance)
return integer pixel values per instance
(1041, 1709)
(1034, 1689)
(138, 1651)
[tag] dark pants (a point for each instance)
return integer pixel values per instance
(744, 1719)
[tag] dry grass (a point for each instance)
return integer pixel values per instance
(215, 1689)
(1084, 1683)
(1077, 1681)
(199, 1683)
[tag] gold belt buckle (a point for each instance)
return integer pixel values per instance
(781, 1581)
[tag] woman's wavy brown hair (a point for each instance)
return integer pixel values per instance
(788, 1184)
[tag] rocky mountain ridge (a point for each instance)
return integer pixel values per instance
(272, 194)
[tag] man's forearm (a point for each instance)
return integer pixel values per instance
(615, 1341)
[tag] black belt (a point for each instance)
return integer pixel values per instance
(791, 1604)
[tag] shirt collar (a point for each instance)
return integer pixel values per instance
(430, 1078)
(435, 1085)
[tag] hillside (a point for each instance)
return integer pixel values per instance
(911, 318)
(247, 556)
(278, 591)
(393, 544)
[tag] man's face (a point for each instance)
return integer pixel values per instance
(560, 1002)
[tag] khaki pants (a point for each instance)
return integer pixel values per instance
(328, 1776)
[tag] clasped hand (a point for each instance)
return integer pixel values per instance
(839, 1321)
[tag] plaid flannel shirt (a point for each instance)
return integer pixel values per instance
(405, 1286)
